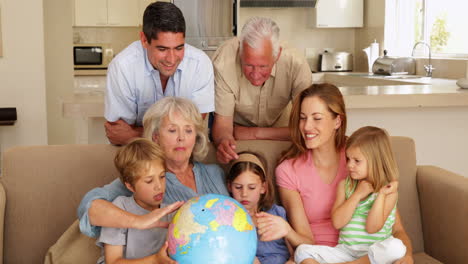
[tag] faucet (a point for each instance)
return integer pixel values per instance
(428, 68)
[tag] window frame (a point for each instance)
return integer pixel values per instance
(426, 35)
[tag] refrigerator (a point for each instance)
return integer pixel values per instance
(208, 22)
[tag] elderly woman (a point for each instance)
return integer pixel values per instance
(177, 126)
(309, 172)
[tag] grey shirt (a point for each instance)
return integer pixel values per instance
(137, 243)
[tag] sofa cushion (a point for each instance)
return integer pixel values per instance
(73, 247)
(423, 258)
(44, 185)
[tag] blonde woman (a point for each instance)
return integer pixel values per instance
(177, 126)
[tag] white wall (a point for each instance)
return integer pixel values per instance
(295, 28)
(22, 73)
(58, 39)
(440, 133)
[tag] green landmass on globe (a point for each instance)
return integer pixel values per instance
(212, 228)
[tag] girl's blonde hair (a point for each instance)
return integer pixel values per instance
(237, 168)
(188, 110)
(374, 144)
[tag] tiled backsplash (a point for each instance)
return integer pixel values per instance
(89, 84)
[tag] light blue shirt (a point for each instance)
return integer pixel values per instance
(133, 85)
(208, 179)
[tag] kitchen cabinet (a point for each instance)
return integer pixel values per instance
(338, 14)
(105, 13)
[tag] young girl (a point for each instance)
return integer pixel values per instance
(248, 183)
(365, 205)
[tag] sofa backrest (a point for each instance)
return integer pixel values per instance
(44, 185)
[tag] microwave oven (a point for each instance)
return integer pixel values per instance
(92, 56)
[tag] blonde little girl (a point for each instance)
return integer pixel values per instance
(248, 183)
(365, 205)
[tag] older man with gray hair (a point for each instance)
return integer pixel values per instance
(255, 81)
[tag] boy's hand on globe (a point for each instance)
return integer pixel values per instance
(151, 220)
(162, 258)
(271, 227)
(256, 261)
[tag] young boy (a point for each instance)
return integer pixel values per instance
(142, 170)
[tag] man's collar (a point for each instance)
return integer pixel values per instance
(273, 70)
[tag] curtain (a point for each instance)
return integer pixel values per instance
(399, 27)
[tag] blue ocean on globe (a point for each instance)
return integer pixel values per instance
(212, 228)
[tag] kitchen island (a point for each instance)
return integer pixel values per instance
(434, 112)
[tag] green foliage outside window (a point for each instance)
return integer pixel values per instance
(439, 33)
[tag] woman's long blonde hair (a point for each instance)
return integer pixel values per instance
(374, 144)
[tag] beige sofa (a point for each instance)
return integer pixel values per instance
(44, 185)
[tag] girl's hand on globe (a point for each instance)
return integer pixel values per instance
(162, 258)
(256, 261)
(271, 227)
(151, 220)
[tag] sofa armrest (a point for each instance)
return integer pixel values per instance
(2, 218)
(443, 197)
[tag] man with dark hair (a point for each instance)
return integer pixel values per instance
(159, 64)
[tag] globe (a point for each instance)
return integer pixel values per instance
(212, 228)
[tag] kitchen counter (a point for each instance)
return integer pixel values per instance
(434, 112)
(90, 72)
(360, 92)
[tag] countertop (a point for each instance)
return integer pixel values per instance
(360, 92)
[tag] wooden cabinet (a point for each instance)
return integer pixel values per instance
(121, 13)
(338, 14)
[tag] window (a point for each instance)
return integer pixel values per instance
(441, 24)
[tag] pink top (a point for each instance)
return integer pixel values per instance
(318, 197)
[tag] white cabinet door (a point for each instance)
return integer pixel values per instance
(105, 13)
(141, 9)
(142, 6)
(90, 12)
(339, 14)
(123, 13)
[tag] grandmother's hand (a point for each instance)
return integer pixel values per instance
(226, 150)
(151, 219)
(271, 227)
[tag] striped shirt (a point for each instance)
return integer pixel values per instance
(354, 234)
